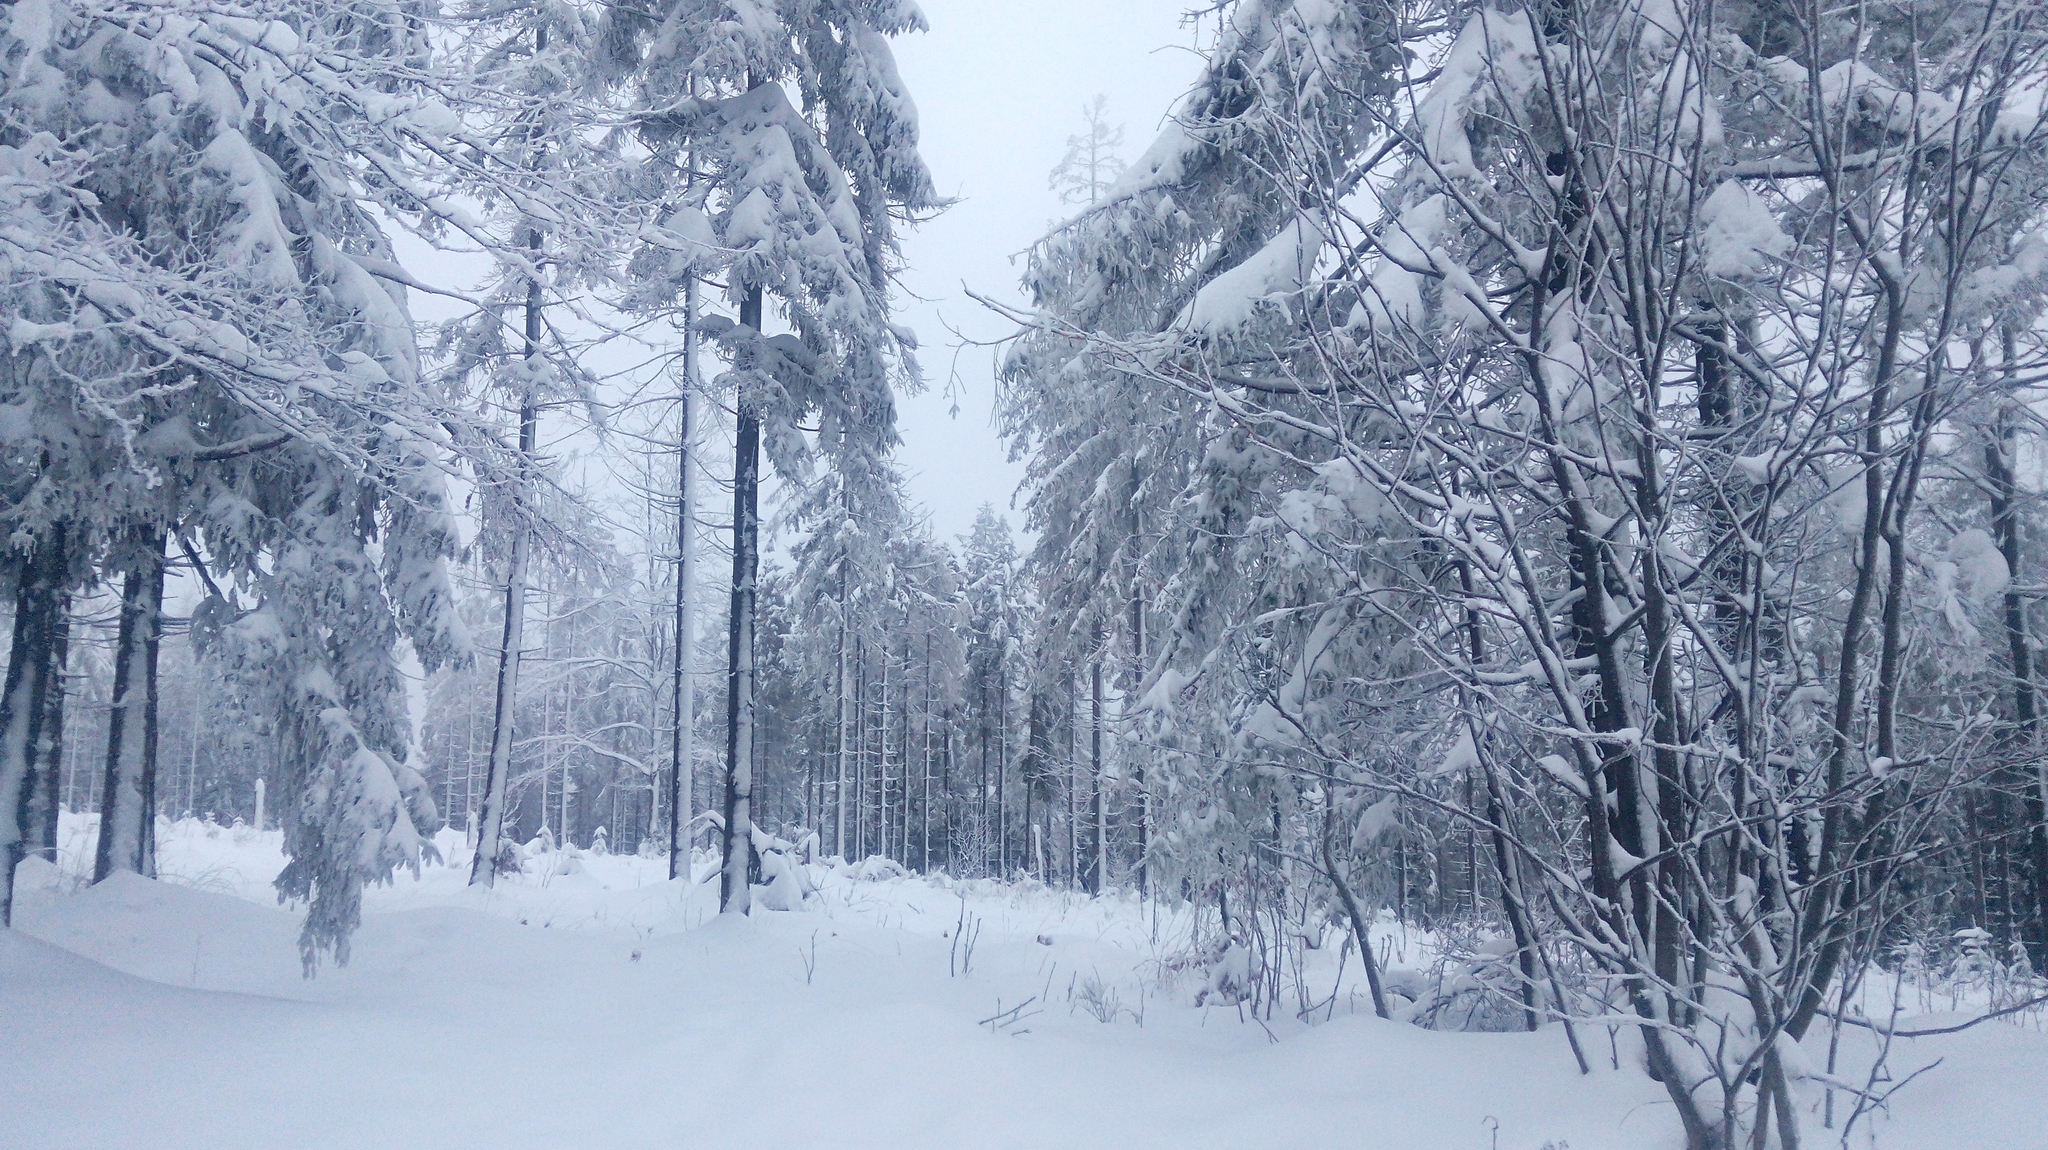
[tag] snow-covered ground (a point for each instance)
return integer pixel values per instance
(608, 1007)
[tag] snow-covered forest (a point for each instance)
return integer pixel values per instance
(1515, 629)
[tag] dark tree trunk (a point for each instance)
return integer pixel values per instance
(128, 798)
(2024, 772)
(1351, 911)
(682, 740)
(1098, 853)
(47, 797)
(38, 606)
(497, 775)
(734, 894)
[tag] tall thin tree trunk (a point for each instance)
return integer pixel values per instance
(468, 766)
(981, 801)
(842, 801)
(2029, 775)
(1137, 760)
(22, 705)
(1074, 780)
(1496, 814)
(860, 748)
(650, 829)
(882, 761)
(903, 749)
(926, 851)
(47, 786)
(896, 805)
(1511, 899)
(735, 897)
(128, 799)
(946, 787)
(1830, 894)
(682, 742)
(491, 818)
(1002, 770)
(1034, 737)
(152, 642)
(1098, 846)
(1359, 929)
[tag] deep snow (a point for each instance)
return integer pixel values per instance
(604, 1008)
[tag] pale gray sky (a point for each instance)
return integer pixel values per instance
(999, 87)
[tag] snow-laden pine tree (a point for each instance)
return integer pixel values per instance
(1111, 465)
(788, 128)
(221, 361)
(1094, 158)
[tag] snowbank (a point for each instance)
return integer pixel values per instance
(612, 1007)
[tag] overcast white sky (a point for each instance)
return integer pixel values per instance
(999, 87)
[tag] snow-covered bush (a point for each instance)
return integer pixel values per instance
(1442, 408)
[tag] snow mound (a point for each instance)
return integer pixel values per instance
(173, 1014)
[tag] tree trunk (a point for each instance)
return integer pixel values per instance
(925, 852)
(735, 895)
(128, 799)
(2027, 775)
(981, 799)
(47, 786)
(860, 748)
(1073, 781)
(1003, 768)
(1351, 911)
(1511, 899)
(1130, 701)
(946, 786)
(882, 759)
(491, 818)
(900, 811)
(1098, 846)
(842, 801)
(682, 742)
(1030, 827)
(1833, 893)
(23, 707)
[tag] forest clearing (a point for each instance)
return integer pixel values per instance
(658, 571)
